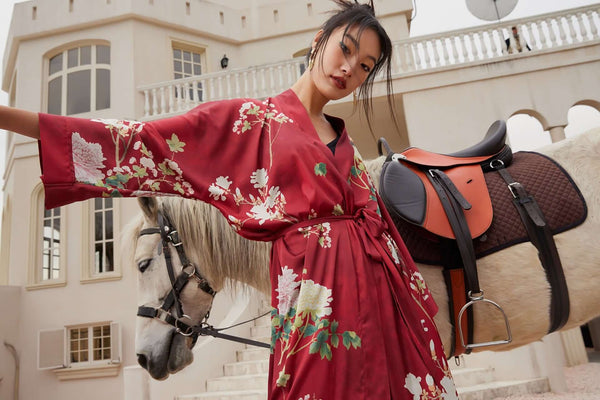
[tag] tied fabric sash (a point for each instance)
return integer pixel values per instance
(372, 227)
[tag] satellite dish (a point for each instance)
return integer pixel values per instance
(491, 10)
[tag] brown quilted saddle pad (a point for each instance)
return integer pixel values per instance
(550, 185)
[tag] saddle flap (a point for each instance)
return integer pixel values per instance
(403, 192)
(406, 190)
(470, 182)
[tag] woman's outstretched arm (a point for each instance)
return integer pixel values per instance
(20, 121)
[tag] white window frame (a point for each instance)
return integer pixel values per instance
(65, 70)
(193, 49)
(36, 233)
(185, 46)
(5, 240)
(89, 273)
(54, 353)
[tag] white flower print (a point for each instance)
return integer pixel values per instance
(392, 247)
(259, 178)
(217, 192)
(417, 283)
(261, 213)
(314, 299)
(287, 289)
(449, 388)
(224, 182)
(147, 162)
(320, 230)
(123, 127)
(175, 167)
(274, 194)
(413, 384)
(87, 160)
(137, 145)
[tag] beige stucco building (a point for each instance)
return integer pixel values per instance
(68, 296)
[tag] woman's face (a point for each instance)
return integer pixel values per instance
(347, 60)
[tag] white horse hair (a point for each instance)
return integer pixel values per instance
(513, 277)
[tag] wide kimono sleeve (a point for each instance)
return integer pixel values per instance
(195, 155)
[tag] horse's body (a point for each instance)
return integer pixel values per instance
(513, 277)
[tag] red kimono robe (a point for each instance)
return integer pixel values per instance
(351, 315)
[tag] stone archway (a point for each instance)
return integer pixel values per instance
(527, 130)
(583, 116)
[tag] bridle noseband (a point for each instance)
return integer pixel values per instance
(188, 272)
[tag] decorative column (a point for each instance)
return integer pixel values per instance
(557, 133)
(573, 347)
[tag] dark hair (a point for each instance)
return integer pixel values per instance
(355, 14)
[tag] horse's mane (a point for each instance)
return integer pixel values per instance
(212, 245)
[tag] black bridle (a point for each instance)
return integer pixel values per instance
(188, 272)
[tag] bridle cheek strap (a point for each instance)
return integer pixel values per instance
(188, 271)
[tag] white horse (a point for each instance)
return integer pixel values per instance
(512, 277)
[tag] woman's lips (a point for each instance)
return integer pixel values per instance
(339, 82)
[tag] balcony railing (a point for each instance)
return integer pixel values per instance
(453, 49)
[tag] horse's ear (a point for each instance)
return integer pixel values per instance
(149, 206)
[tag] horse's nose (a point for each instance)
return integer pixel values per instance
(143, 361)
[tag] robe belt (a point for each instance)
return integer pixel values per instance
(373, 227)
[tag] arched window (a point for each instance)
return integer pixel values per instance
(47, 253)
(79, 80)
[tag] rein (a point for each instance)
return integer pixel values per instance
(188, 272)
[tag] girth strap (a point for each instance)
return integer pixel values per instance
(541, 236)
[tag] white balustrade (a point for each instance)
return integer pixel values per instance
(473, 45)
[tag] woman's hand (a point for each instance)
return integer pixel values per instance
(20, 121)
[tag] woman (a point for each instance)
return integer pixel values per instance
(352, 318)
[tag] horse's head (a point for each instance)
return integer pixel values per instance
(163, 345)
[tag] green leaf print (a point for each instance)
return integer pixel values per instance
(310, 330)
(145, 151)
(175, 145)
(283, 378)
(338, 210)
(320, 169)
(325, 351)
(178, 188)
(334, 326)
(140, 172)
(351, 339)
(354, 171)
(117, 180)
(335, 340)
(165, 168)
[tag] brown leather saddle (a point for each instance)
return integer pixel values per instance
(446, 195)
(407, 189)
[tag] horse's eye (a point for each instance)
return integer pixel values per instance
(144, 264)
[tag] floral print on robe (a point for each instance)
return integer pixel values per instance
(351, 315)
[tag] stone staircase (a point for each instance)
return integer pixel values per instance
(246, 379)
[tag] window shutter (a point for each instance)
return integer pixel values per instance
(52, 349)
(115, 343)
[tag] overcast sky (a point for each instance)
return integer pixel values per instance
(431, 16)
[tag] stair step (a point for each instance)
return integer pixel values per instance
(253, 353)
(263, 321)
(260, 331)
(242, 382)
(228, 395)
(491, 390)
(465, 377)
(246, 368)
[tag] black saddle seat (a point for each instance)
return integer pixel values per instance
(493, 141)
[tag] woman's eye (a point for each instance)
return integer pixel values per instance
(144, 264)
(366, 68)
(344, 48)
